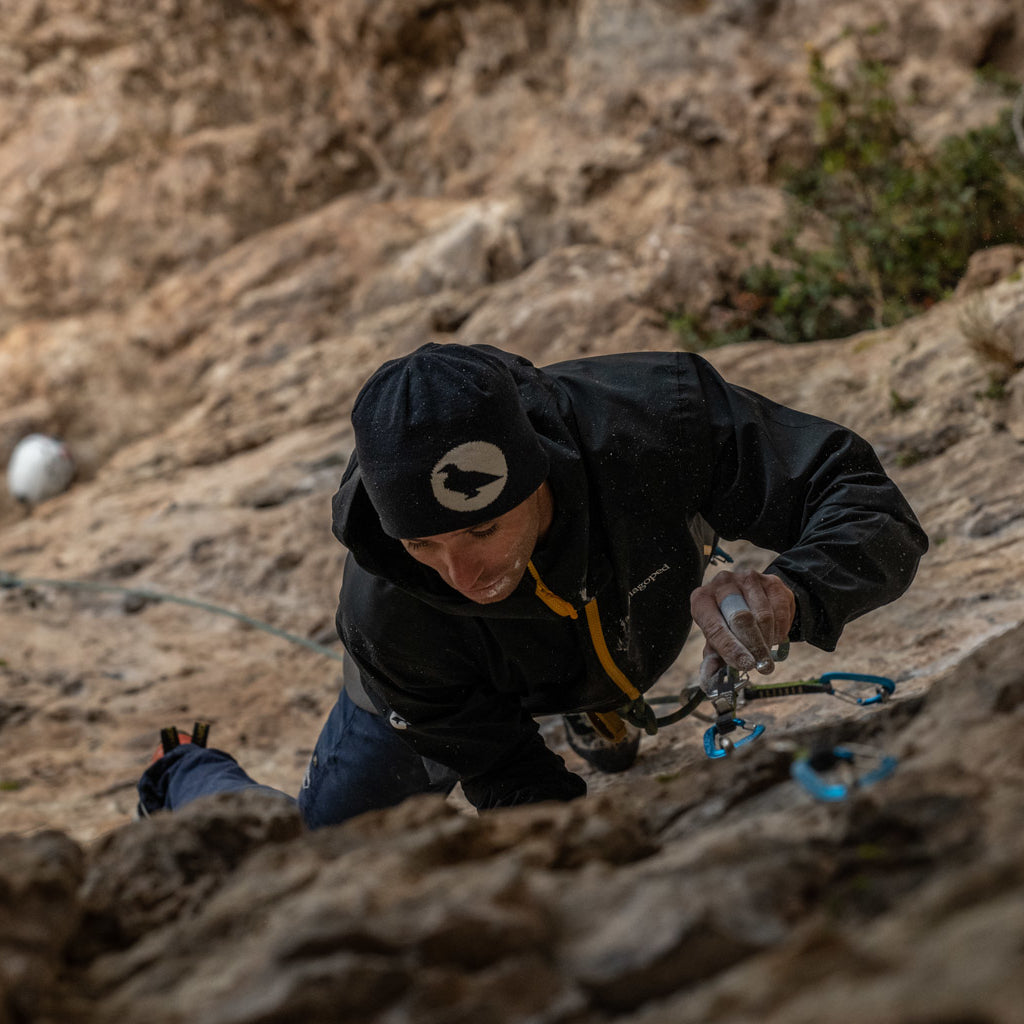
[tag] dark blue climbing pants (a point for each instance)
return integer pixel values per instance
(359, 764)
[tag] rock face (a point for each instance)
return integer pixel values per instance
(712, 893)
(219, 218)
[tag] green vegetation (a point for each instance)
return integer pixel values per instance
(898, 404)
(695, 335)
(899, 223)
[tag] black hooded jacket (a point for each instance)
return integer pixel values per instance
(649, 454)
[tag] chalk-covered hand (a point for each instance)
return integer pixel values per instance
(742, 616)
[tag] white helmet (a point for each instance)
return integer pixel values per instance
(40, 468)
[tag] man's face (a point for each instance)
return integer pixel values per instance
(486, 562)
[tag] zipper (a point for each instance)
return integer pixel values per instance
(557, 604)
(567, 611)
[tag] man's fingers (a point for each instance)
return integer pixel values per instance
(763, 629)
(742, 615)
(723, 640)
(709, 669)
(718, 632)
(732, 605)
(748, 628)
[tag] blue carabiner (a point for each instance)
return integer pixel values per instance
(712, 735)
(886, 687)
(804, 773)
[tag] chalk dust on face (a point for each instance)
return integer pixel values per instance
(486, 563)
(500, 588)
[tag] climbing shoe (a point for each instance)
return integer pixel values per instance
(603, 739)
(171, 738)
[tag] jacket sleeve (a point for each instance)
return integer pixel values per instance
(810, 490)
(420, 667)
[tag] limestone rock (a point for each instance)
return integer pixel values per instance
(39, 913)
(219, 219)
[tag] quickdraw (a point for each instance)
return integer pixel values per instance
(809, 770)
(719, 742)
(884, 688)
(731, 689)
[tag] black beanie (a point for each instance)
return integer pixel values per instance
(444, 442)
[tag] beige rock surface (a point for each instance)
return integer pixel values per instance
(216, 219)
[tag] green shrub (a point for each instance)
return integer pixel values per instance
(903, 222)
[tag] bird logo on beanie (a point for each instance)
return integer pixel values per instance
(470, 476)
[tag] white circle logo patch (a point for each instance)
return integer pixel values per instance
(470, 476)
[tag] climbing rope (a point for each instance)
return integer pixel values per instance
(12, 581)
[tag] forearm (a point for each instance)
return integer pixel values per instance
(501, 761)
(837, 578)
(529, 775)
(815, 492)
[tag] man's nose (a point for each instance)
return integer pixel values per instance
(463, 570)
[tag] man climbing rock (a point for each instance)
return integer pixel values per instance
(526, 541)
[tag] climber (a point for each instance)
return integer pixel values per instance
(526, 542)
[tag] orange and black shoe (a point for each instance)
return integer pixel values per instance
(170, 739)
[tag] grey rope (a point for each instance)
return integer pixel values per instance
(11, 581)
